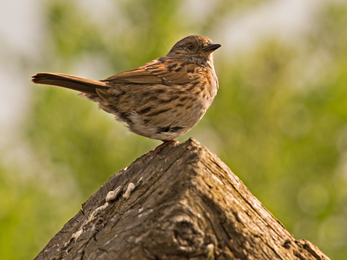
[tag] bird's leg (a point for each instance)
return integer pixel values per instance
(161, 146)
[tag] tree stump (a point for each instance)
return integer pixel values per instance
(183, 203)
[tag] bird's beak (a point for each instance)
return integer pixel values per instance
(211, 47)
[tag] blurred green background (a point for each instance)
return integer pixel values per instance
(279, 120)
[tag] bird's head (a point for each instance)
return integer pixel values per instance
(194, 49)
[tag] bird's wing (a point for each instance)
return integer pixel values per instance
(163, 70)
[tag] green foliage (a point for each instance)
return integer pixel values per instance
(279, 121)
(28, 215)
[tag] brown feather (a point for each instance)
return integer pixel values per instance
(135, 76)
(67, 81)
(154, 72)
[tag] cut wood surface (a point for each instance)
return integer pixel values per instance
(183, 203)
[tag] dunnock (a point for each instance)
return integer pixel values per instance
(162, 99)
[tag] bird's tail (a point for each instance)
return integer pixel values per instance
(87, 86)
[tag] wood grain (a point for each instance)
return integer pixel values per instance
(185, 203)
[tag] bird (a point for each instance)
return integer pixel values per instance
(162, 99)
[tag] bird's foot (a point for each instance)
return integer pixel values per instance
(164, 144)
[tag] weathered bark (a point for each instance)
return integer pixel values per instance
(183, 203)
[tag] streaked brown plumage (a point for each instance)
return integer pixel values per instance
(162, 99)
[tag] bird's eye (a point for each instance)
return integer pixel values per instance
(190, 46)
